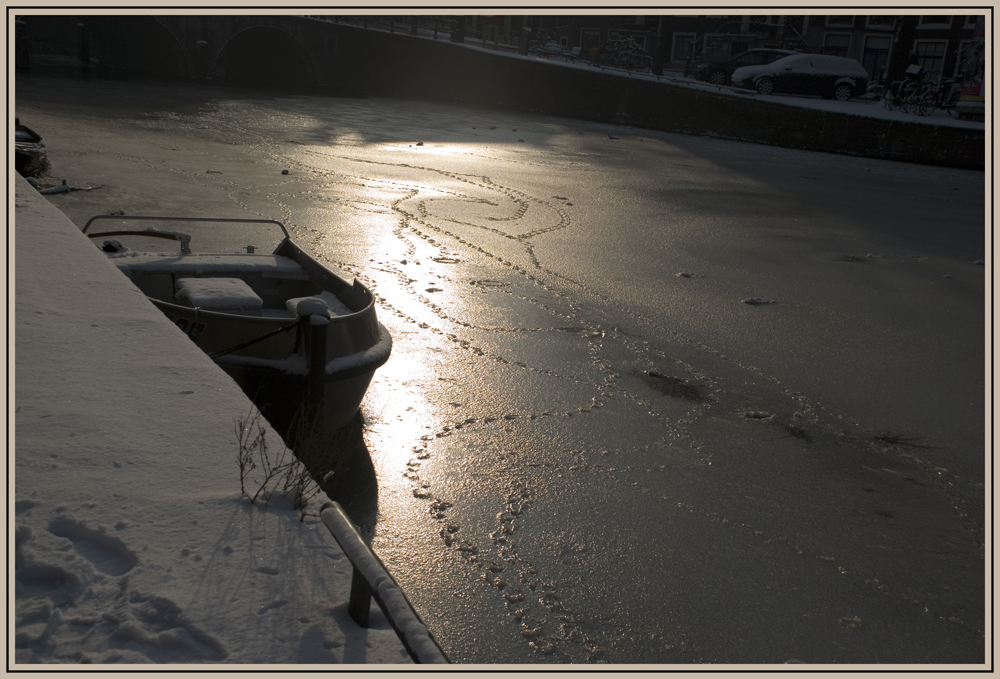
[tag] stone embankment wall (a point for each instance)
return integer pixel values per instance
(401, 65)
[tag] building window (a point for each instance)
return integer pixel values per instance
(639, 40)
(876, 55)
(589, 38)
(970, 21)
(683, 44)
(934, 22)
(930, 55)
(881, 21)
(840, 20)
(837, 44)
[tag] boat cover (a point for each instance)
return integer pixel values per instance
(216, 294)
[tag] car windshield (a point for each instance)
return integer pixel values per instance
(163, 235)
(790, 60)
(751, 59)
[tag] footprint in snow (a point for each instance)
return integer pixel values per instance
(107, 553)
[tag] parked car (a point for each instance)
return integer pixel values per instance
(828, 76)
(719, 72)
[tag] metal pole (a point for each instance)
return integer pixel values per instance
(202, 56)
(661, 49)
(84, 43)
(84, 50)
(371, 580)
(458, 29)
(317, 364)
(360, 602)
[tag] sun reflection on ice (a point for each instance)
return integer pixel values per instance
(398, 416)
(435, 148)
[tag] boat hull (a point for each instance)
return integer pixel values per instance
(254, 315)
(29, 151)
(357, 347)
(281, 399)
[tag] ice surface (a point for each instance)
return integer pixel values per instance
(520, 424)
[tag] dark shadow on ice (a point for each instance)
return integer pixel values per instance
(798, 432)
(353, 483)
(675, 386)
(899, 440)
(343, 468)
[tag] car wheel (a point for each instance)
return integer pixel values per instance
(717, 77)
(765, 86)
(843, 92)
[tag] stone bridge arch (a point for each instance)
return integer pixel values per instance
(264, 55)
(283, 49)
(114, 46)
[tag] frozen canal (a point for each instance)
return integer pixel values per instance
(653, 398)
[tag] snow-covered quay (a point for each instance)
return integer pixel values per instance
(131, 540)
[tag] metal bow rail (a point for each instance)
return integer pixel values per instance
(370, 581)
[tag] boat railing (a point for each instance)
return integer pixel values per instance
(371, 580)
(150, 218)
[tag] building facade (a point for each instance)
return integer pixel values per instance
(940, 43)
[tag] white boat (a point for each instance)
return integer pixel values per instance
(294, 335)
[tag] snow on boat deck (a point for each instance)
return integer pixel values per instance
(133, 543)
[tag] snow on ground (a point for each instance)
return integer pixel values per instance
(132, 543)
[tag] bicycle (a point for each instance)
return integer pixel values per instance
(944, 96)
(540, 40)
(906, 94)
(874, 92)
(911, 93)
(622, 52)
(634, 59)
(892, 98)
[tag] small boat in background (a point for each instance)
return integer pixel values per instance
(295, 336)
(29, 150)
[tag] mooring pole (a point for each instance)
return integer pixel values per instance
(317, 363)
(84, 53)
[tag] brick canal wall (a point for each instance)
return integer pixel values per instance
(374, 62)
